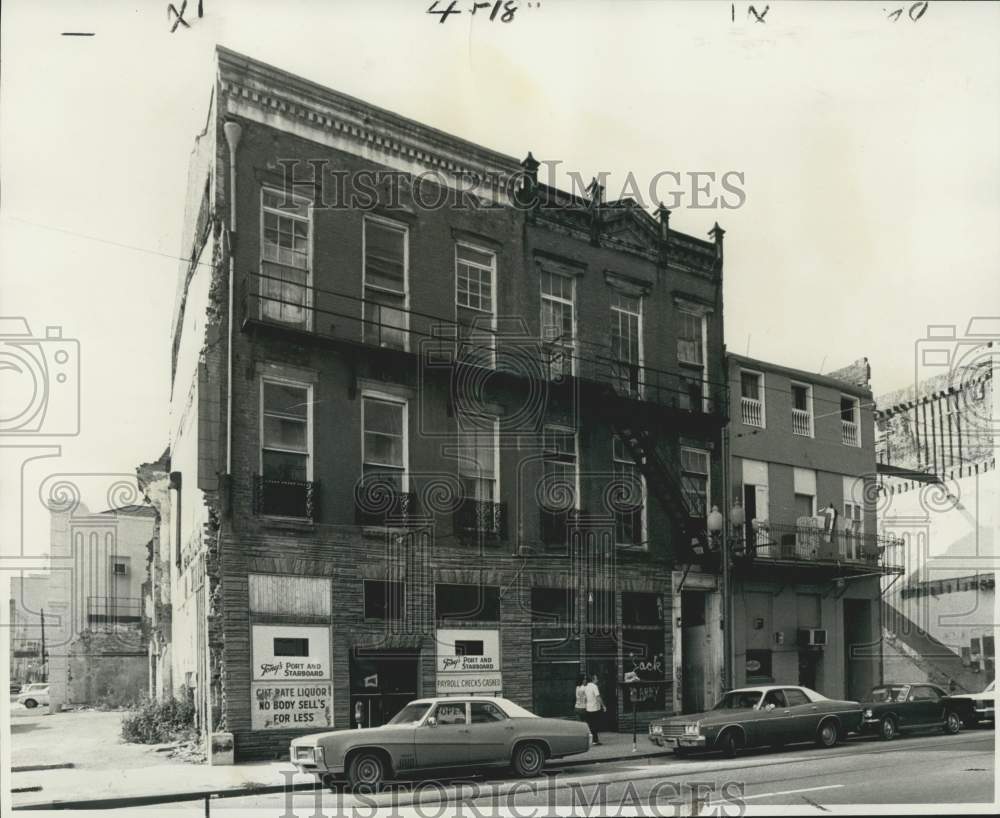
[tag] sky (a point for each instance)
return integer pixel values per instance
(868, 148)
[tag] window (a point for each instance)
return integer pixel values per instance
(286, 646)
(554, 606)
(469, 647)
(475, 270)
(752, 398)
(286, 223)
(629, 502)
(690, 338)
(385, 288)
(120, 568)
(854, 514)
(469, 603)
(475, 300)
(795, 697)
(558, 323)
(773, 699)
(694, 480)
(561, 489)
(384, 600)
(925, 693)
(804, 486)
(850, 408)
(478, 458)
(802, 415)
(626, 341)
(384, 441)
(446, 714)
(286, 435)
(486, 713)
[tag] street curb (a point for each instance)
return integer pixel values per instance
(265, 789)
(32, 768)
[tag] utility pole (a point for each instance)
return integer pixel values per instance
(45, 669)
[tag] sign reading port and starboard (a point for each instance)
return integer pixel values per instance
(292, 686)
(468, 662)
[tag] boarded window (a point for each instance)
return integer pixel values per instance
(285, 646)
(469, 603)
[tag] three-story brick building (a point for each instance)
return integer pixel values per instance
(437, 426)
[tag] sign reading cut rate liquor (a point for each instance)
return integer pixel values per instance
(291, 677)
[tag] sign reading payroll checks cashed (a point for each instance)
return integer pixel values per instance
(292, 686)
(468, 662)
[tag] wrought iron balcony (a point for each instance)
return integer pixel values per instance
(288, 304)
(482, 518)
(114, 610)
(813, 545)
(388, 509)
(849, 433)
(555, 525)
(273, 497)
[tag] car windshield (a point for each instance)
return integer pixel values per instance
(989, 687)
(889, 693)
(410, 714)
(515, 711)
(739, 700)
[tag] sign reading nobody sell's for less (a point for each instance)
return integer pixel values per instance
(291, 706)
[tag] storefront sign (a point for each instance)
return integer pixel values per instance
(468, 661)
(291, 653)
(469, 683)
(291, 706)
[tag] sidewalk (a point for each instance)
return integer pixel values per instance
(183, 782)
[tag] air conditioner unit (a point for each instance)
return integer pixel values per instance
(121, 568)
(812, 637)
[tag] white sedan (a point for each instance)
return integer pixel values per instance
(34, 695)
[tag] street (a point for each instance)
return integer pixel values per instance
(926, 769)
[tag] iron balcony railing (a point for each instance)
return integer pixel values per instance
(849, 433)
(815, 545)
(480, 518)
(391, 509)
(112, 610)
(382, 320)
(751, 411)
(801, 423)
(273, 497)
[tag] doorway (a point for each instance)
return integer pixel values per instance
(859, 661)
(694, 650)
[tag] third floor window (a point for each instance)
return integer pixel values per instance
(285, 252)
(802, 419)
(558, 323)
(690, 338)
(479, 458)
(386, 319)
(384, 441)
(752, 398)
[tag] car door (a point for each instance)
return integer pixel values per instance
(928, 705)
(442, 740)
(800, 719)
(491, 732)
(770, 718)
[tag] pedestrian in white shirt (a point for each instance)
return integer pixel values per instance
(594, 707)
(580, 706)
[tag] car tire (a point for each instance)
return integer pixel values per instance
(952, 723)
(528, 759)
(729, 744)
(30, 703)
(887, 729)
(367, 770)
(828, 734)
(682, 752)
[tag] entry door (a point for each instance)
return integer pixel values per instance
(446, 744)
(694, 651)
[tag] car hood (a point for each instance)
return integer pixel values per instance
(709, 716)
(363, 733)
(991, 695)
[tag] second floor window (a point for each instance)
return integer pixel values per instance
(752, 398)
(558, 323)
(802, 410)
(474, 277)
(384, 424)
(560, 490)
(385, 295)
(694, 479)
(478, 459)
(285, 439)
(629, 498)
(285, 257)
(850, 429)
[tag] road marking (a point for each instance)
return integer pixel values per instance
(776, 794)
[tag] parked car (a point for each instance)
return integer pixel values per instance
(33, 695)
(15, 688)
(982, 706)
(771, 715)
(441, 732)
(891, 709)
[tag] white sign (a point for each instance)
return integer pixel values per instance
(291, 706)
(468, 661)
(291, 652)
(469, 683)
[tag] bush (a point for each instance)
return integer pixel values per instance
(152, 722)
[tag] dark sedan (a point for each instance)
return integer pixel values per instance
(892, 709)
(774, 715)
